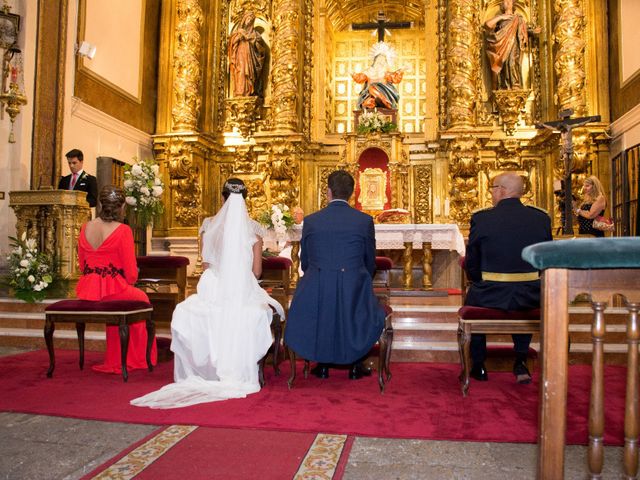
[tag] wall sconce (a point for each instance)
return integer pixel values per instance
(12, 98)
(85, 49)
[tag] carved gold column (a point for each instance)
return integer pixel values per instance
(569, 61)
(463, 62)
(283, 169)
(186, 66)
(179, 146)
(463, 177)
(285, 73)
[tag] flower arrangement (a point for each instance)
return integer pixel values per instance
(277, 217)
(371, 121)
(143, 190)
(30, 272)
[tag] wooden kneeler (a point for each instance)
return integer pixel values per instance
(489, 321)
(115, 312)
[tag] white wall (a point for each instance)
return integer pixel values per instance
(90, 130)
(86, 128)
(15, 158)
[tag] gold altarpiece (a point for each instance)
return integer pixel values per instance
(455, 132)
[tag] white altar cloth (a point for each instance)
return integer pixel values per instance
(392, 236)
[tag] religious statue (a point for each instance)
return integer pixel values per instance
(508, 34)
(379, 80)
(247, 58)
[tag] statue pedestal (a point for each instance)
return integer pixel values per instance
(53, 218)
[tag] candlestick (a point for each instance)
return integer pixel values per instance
(436, 207)
(446, 207)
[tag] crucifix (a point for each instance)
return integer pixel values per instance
(565, 126)
(380, 25)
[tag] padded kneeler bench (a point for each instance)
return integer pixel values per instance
(489, 321)
(115, 312)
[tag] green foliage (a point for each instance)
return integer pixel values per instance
(143, 190)
(31, 273)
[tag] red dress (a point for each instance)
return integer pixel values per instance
(108, 273)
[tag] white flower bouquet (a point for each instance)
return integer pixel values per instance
(143, 190)
(30, 272)
(279, 218)
(372, 121)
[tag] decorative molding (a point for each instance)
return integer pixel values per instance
(102, 120)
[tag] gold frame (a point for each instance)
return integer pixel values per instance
(14, 19)
(373, 189)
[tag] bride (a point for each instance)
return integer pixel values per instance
(220, 333)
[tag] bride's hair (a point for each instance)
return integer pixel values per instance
(234, 185)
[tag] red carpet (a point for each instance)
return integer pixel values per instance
(422, 401)
(217, 453)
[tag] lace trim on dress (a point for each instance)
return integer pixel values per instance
(110, 271)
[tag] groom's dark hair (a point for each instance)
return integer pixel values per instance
(341, 184)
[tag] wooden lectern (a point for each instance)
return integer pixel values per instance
(53, 218)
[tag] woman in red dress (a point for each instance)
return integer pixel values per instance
(109, 270)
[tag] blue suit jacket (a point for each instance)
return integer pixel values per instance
(334, 316)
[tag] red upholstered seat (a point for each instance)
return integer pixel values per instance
(276, 263)
(97, 306)
(384, 263)
(481, 313)
(111, 312)
(157, 261)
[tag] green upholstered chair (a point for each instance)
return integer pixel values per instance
(601, 270)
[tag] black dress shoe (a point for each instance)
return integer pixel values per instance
(479, 372)
(358, 370)
(321, 370)
(521, 372)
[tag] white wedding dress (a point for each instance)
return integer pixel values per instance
(220, 333)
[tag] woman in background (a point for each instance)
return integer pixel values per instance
(593, 205)
(109, 270)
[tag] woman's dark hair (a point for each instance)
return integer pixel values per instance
(111, 200)
(234, 185)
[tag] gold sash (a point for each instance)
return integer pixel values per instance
(510, 277)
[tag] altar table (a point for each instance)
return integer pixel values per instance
(426, 237)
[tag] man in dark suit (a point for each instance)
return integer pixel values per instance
(78, 179)
(334, 317)
(500, 278)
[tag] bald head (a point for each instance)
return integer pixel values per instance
(506, 185)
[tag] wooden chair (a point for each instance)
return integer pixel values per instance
(382, 279)
(382, 349)
(115, 312)
(606, 270)
(489, 321)
(276, 278)
(164, 270)
(276, 329)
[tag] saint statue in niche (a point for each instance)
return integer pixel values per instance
(379, 80)
(507, 36)
(248, 55)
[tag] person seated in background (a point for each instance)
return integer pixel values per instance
(78, 179)
(220, 333)
(335, 318)
(499, 277)
(106, 253)
(593, 205)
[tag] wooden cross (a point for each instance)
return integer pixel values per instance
(565, 125)
(380, 25)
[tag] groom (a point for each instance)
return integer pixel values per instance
(334, 317)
